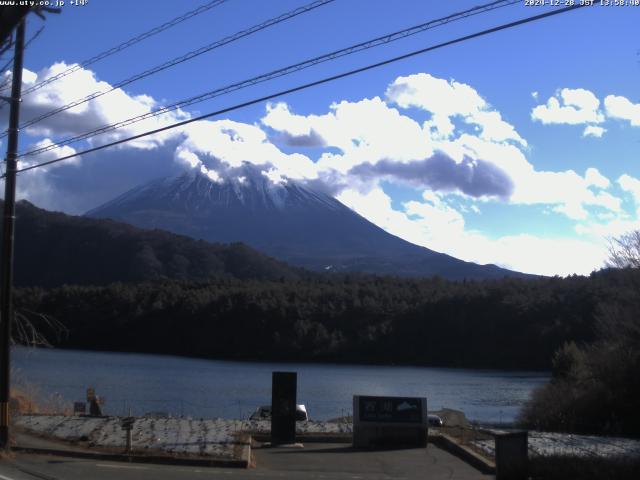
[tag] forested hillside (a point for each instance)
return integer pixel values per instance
(510, 323)
(53, 249)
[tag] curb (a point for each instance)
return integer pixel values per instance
(446, 442)
(309, 437)
(242, 462)
(242, 451)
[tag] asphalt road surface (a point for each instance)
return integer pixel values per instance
(315, 461)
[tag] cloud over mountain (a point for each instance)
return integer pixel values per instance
(114, 107)
(440, 172)
(464, 155)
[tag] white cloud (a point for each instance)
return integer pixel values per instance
(573, 210)
(216, 148)
(435, 95)
(440, 127)
(375, 141)
(108, 109)
(610, 229)
(596, 179)
(436, 225)
(622, 108)
(224, 146)
(35, 185)
(593, 131)
(631, 185)
(365, 131)
(569, 106)
(379, 142)
(566, 191)
(24, 162)
(580, 106)
(446, 100)
(611, 226)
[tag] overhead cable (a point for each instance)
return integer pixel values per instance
(305, 86)
(178, 60)
(278, 73)
(126, 44)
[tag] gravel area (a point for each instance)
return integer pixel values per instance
(185, 436)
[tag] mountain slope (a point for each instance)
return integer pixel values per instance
(289, 221)
(54, 249)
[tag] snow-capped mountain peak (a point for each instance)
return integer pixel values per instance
(285, 219)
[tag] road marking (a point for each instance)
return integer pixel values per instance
(131, 467)
(2, 477)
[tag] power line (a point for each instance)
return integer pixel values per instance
(181, 59)
(124, 45)
(7, 82)
(280, 72)
(313, 84)
(26, 45)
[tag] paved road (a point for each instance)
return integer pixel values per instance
(314, 462)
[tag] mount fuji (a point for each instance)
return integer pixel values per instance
(289, 221)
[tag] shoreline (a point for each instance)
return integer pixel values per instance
(480, 369)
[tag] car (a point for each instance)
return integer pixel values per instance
(435, 420)
(264, 413)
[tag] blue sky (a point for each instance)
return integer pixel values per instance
(519, 148)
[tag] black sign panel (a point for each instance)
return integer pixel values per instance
(127, 423)
(390, 409)
(283, 407)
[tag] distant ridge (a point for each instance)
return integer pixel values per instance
(289, 221)
(53, 249)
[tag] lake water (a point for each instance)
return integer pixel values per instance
(213, 388)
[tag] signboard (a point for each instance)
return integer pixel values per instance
(389, 421)
(283, 407)
(127, 423)
(390, 410)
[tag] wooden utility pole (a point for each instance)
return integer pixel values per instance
(8, 224)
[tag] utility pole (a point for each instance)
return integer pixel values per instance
(8, 224)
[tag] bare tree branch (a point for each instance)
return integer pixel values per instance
(29, 328)
(624, 251)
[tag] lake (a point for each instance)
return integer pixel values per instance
(214, 388)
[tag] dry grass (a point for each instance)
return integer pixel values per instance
(22, 402)
(27, 399)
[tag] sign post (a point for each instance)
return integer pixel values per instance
(127, 426)
(283, 408)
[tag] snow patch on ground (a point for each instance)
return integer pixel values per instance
(549, 444)
(214, 437)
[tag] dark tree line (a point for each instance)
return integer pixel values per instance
(595, 385)
(509, 323)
